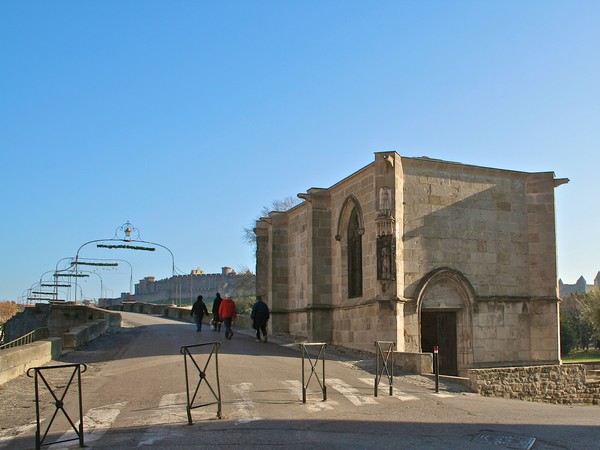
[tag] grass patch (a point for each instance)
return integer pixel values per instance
(591, 355)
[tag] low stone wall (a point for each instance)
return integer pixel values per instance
(84, 333)
(176, 312)
(16, 361)
(414, 362)
(70, 326)
(564, 384)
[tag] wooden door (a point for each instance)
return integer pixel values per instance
(439, 328)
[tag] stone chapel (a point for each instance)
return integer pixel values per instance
(424, 253)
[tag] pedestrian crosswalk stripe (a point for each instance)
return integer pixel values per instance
(245, 408)
(350, 393)
(384, 388)
(96, 422)
(443, 394)
(295, 386)
(171, 409)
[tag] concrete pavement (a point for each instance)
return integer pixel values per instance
(135, 396)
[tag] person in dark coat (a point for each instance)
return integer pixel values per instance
(198, 311)
(217, 321)
(260, 317)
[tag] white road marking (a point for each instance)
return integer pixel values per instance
(96, 422)
(443, 394)
(245, 407)
(312, 405)
(172, 408)
(385, 389)
(350, 393)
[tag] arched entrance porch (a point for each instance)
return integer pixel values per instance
(445, 301)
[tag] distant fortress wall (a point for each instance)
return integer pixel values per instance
(184, 289)
(580, 286)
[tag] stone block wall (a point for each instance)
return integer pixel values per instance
(470, 218)
(355, 327)
(508, 331)
(297, 286)
(363, 324)
(24, 322)
(297, 323)
(565, 384)
(16, 361)
(360, 186)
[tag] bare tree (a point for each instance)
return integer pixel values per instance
(282, 205)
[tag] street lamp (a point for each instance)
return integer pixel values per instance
(124, 234)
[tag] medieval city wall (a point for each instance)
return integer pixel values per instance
(186, 288)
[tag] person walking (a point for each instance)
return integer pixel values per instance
(198, 311)
(260, 317)
(217, 321)
(228, 313)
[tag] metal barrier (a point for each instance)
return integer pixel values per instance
(59, 403)
(387, 363)
(35, 335)
(313, 366)
(185, 351)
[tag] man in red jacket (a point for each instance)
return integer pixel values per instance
(227, 312)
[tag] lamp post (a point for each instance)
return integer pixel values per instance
(104, 262)
(101, 280)
(124, 234)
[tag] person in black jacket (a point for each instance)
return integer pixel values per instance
(217, 321)
(198, 312)
(260, 317)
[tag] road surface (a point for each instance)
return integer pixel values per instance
(134, 395)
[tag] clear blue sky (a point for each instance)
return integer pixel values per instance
(187, 117)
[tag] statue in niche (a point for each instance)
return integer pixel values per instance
(385, 201)
(386, 265)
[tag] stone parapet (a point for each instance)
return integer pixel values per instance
(84, 333)
(414, 362)
(16, 361)
(565, 384)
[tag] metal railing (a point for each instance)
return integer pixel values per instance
(59, 402)
(313, 367)
(202, 377)
(384, 363)
(35, 335)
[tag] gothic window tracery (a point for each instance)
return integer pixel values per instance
(354, 256)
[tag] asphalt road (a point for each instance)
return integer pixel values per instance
(134, 395)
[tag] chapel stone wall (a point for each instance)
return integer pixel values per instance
(492, 230)
(469, 218)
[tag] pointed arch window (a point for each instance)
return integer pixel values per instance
(354, 256)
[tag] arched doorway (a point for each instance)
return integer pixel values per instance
(445, 299)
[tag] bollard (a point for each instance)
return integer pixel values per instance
(59, 402)
(185, 351)
(436, 368)
(387, 364)
(313, 367)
